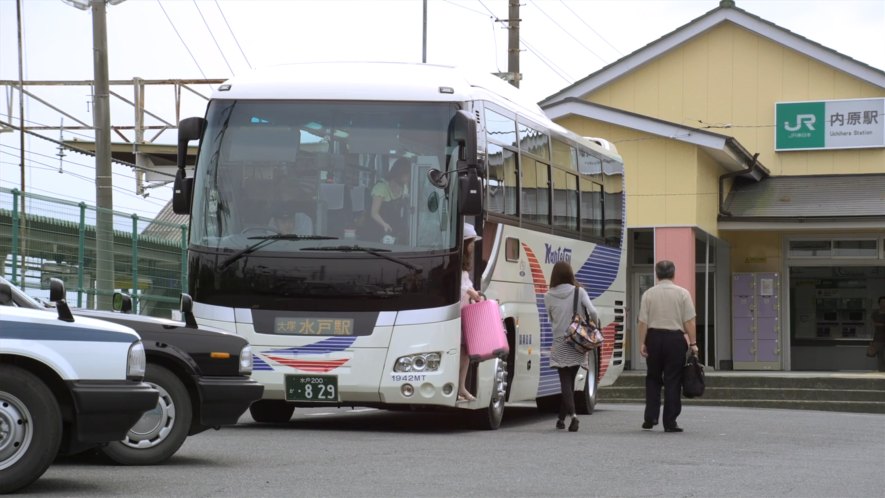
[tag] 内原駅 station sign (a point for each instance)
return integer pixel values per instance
(829, 124)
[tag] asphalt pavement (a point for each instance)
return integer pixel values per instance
(724, 452)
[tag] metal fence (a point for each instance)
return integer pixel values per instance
(43, 237)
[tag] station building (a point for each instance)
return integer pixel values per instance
(755, 160)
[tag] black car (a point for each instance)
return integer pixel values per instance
(202, 374)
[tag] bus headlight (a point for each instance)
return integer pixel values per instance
(246, 360)
(421, 362)
(136, 362)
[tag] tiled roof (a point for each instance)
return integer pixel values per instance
(803, 197)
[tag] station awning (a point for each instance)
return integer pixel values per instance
(814, 201)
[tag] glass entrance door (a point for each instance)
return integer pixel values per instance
(641, 283)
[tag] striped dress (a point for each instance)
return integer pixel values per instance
(559, 301)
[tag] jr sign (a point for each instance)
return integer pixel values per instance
(832, 124)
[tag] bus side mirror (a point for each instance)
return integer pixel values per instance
(469, 193)
(182, 191)
(462, 132)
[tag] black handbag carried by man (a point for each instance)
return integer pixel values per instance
(693, 381)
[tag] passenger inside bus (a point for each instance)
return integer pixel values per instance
(288, 220)
(389, 214)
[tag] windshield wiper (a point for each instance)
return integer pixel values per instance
(266, 240)
(374, 252)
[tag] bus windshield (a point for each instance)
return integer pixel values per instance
(323, 174)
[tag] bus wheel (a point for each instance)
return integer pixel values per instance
(585, 400)
(160, 432)
(489, 418)
(30, 428)
(272, 411)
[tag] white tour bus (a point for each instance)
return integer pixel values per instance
(284, 248)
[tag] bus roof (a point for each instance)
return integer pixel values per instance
(389, 81)
(371, 81)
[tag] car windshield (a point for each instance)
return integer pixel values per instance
(351, 172)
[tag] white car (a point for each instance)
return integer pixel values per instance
(65, 386)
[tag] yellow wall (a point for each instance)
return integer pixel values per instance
(669, 183)
(755, 251)
(729, 79)
(707, 189)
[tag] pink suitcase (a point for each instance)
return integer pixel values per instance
(482, 331)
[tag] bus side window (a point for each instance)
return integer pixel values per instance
(511, 250)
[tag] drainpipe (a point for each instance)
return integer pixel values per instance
(722, 178)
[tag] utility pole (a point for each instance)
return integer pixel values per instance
(21, 133)
(424, 41)
(513, 43)
(104, 195)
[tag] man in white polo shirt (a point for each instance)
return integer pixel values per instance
(666, 331)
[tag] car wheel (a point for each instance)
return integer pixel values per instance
(272, 411)
(160, 432)
(585, 400)
(30, 428)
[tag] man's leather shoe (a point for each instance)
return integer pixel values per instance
(648, 424)
(675, 428)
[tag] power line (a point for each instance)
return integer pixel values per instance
(468, 8)
(69, 162)
(48, 167)
(489, 10)
(573, 37)
(232, 34)
(212, 35)
(70, 131)
(550, 64)
(146, 213)
(182, 40)
(591, 28)
(493, 19)
(84, 151)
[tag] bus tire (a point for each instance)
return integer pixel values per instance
(160, 432)
(489, 418)
(585, 399)
(30, 428)
(271, 411)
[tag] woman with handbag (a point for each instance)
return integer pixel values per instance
(561, 308)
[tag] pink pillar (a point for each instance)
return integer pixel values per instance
(677, 245)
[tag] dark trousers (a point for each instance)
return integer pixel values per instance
(567, 381)
(666, 357)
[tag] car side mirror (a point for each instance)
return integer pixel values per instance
(57, 296)
(122, 302)
(5, 294)
(186, 307)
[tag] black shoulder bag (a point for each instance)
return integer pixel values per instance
(583, 334)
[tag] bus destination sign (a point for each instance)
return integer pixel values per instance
(313, 326)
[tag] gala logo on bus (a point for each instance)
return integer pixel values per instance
(553, 256)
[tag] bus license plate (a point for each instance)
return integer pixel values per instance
(311, 388)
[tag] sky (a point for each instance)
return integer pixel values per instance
(562, 41)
